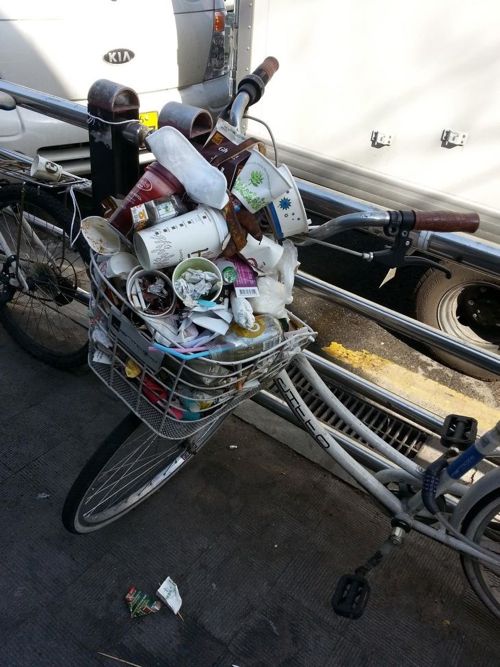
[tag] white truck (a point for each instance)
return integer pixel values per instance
(395, 104)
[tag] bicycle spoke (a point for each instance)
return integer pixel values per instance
(51, 272)
(145, 466)
(132, 467)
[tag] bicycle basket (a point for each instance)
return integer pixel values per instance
(174, 397)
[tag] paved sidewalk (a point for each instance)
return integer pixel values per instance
(255, 538)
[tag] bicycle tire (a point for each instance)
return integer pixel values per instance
(47, 320)
(78, 516)
(483, 521)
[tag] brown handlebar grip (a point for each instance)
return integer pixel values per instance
(446, 221)
(267, 69)
(255, 83)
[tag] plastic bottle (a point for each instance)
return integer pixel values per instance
(240, 344)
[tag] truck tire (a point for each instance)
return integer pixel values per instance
(467, 305)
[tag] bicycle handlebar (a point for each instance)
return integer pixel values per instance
(436, 221)
(254, 84)
(267, 69)
(445, 221)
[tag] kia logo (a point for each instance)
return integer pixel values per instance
(119, 56)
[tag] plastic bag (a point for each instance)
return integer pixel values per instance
(276, 290)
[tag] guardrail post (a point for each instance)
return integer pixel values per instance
(114, 161)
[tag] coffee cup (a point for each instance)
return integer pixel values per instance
(288, 215)
(120, 265)
(199, 233)
(150, 293)
(264, 255)
(259, 182)
(201, 264)
(45, 170)
(155, 182)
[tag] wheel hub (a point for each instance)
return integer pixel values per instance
(478, 307)
(47, 279)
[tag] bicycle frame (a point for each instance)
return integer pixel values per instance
(403, 470)
(375, 485)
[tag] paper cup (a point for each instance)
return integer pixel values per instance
(262, 255)
(120, 265)
(199, 233)
(204, 265)
(45, 170)
(259, 182)
(288, 215)
(100, 236)
(133, 288)
(155, 182)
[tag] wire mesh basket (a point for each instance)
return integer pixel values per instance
(175, 397)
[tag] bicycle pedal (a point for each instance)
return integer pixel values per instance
(351, 596)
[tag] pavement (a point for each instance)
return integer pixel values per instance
(255, 538)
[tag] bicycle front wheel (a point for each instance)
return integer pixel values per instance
(130, 465)
(44, 283)
(482, 526)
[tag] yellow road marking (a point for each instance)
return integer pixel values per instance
(429, 394)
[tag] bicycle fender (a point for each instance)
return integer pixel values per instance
(490, 482)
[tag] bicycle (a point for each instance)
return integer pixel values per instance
(157, 439)
(43, 278)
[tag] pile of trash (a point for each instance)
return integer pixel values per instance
(197, 251)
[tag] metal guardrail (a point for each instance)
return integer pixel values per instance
(400, 323)
(114, 147)
(46, 104)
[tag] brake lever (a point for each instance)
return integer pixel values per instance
(394, 260)
(395, 256)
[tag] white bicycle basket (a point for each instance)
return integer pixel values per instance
(175, 397)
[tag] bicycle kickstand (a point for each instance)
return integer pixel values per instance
(353, 590)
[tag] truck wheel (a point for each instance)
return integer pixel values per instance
(467, 306)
